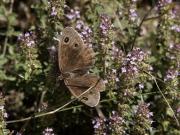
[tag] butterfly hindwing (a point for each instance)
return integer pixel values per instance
(80, 84)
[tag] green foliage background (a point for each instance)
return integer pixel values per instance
(29, 81)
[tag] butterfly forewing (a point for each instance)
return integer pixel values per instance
(73, 53)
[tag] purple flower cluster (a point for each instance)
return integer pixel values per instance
(175, 28)
(115, 118)
(130, 63)
(174, 47)
(171, 74)
(105, 24)
(27, 39)
(116, 52)
(114, 124)
(174, 50)
(133, 11)
(85, 32)
(52, 8)
(72, 14)
(100, 126)
(48, 131)
(164, 2)
(142, 110)
(83, 29)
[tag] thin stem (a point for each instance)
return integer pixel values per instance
(8, 27)
(164, 98)
(137, 32)
(54, 111)
(167, 102)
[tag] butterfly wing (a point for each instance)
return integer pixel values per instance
(73, 54)
(80, 84)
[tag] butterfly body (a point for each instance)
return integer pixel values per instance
(75, 59)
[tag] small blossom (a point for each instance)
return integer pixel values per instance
(30, 43)
(130, 63)
(73, 14)
(105, 81)
(171, 74)
(1, 107)
(171, 45)
(27, 39)
(141, 86)
(178, 110)
(116, 53)
(117, 79)
(175, 28)
(133, 14)
(27, 34)
(123, 70)
(164, 2)
(114, 70)
(150, 68)
(5, 115)
(100, 126)
(48, 131)
(85, 32)
(105, 24)
(115, 118)
(143, 114)
(106, 63)
(53, 11)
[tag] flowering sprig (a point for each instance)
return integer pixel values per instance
(55, 8)
(133, 16)
(142, 119)
(113, 125)
(28, 39)
(105, 24)
(73, 15)
(100, 126)
(171, 74)
(117, 124)
(132, 61)
(85, 32)
(28, 42)
(3, 116)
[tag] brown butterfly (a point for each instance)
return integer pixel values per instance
(75, 60)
